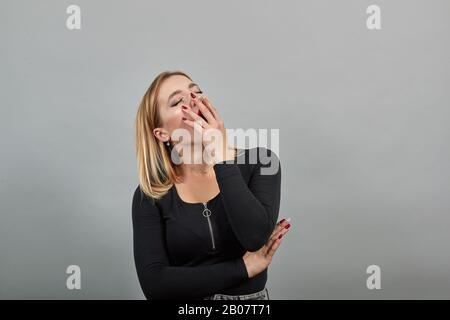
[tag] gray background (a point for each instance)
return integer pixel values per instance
(363, 118)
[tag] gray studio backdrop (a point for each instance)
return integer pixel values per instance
(364, 136)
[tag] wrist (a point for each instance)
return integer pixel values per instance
(248, 266)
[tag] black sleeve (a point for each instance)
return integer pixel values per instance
(157, 278)
(252, 209)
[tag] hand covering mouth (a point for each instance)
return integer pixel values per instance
(201, 115)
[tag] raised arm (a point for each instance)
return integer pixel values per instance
(157, 278)
(252, 209)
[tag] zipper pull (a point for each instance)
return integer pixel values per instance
(206, 212)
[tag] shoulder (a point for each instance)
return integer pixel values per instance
(141, 200)
(138, 196)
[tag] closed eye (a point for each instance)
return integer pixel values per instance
(173, 105)
(176, 103)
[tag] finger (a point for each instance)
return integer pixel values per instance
(276, 231)
(193, 115)
(276, 244)
(268, 246)
(212, 108)
(194, 124)
(281, 224)
(277, 227)
(285, 221)
(284, 230)
(204, 110)
(276, 236)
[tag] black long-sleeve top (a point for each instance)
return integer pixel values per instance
(182, 253)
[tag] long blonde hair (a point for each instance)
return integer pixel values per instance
(157, 173)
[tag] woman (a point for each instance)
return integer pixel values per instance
(204, 223)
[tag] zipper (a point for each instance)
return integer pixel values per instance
(207, 213)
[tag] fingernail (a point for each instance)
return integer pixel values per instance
(280, 236)
(184, 107)
(287, 227)
(184, 118)
(282, 221)
(193, 95)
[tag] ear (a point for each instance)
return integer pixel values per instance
(161, 134)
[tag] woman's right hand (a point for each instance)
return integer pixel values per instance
(257, 261)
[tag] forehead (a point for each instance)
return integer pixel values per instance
(171, 84)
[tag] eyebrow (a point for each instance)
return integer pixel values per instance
(192, 84)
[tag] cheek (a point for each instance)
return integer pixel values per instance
(174, 119)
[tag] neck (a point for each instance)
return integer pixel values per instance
(193, 162)
(196, 169)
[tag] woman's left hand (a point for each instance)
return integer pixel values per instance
(211, 129)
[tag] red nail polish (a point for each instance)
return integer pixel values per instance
(184, 107)
(193, 95)
(184, 118)
(280, 236)
(282, 221)
(287, 227)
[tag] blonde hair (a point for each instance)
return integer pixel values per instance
(157, 173)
